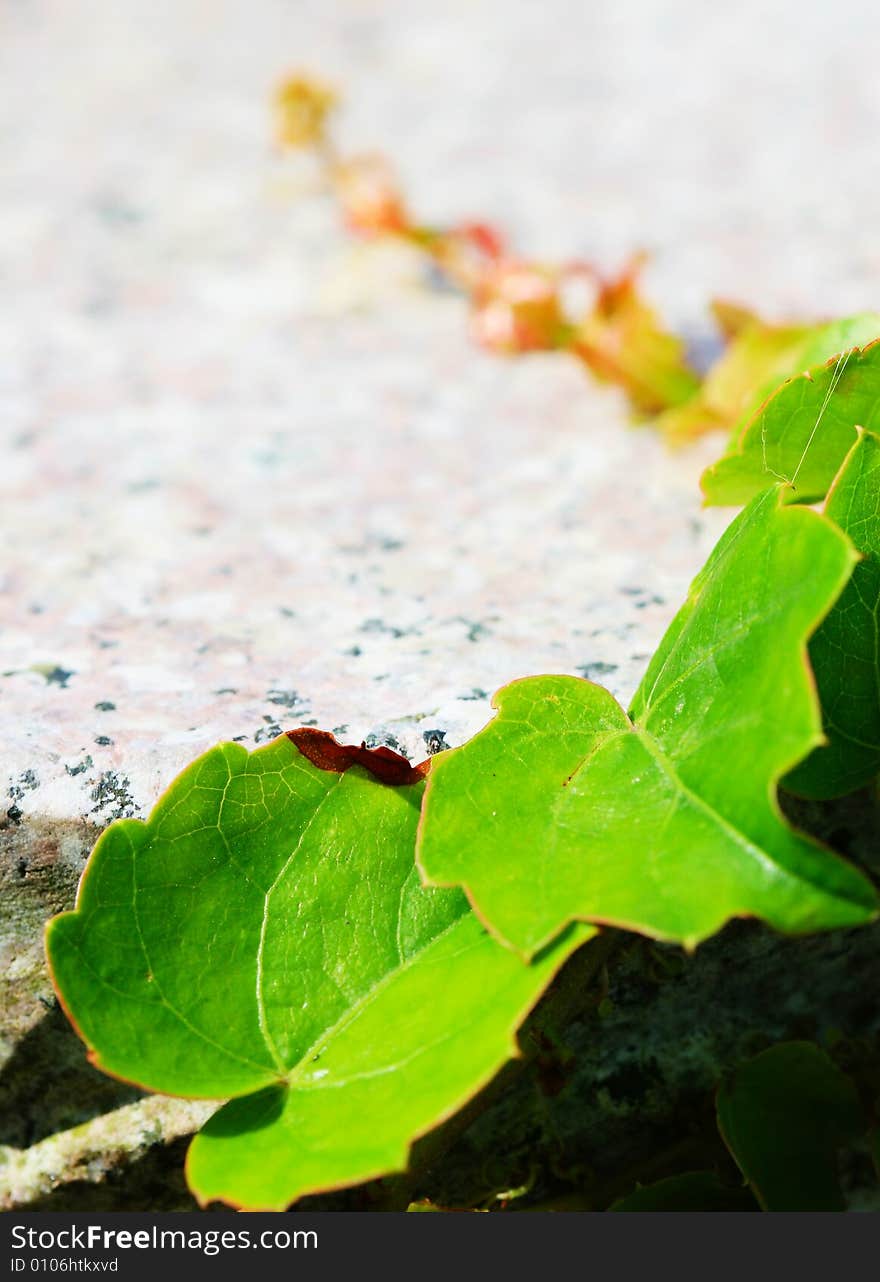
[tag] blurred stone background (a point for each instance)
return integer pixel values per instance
(254, 476)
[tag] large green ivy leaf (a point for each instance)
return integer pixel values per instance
(783, 1116)
(803, 432)
(759, 357)
(265, 935)
(563, 808)
(845, 652)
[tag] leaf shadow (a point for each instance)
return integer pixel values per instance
(48, 1085)
(154, 1182)
(250, 1113)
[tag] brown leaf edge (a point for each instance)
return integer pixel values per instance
(325, 751)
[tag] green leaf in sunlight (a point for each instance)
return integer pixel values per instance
(802, 434)
(265, 936)
(759, 357)
(565, 809)
(845, 652)
(784, 1115)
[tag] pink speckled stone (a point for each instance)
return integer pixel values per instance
(255, 477)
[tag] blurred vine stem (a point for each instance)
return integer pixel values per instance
(519, 305)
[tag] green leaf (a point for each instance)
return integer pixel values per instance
(759, 357)
(265, 935)
(695, 1191)
(845, 652)
(783, 1116)
(802, 434)
(563, 808)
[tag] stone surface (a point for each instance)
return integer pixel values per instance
(254, 476)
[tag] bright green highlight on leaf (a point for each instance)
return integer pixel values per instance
(266, 935)
(802, 434)
(783, 1116)
(564, 809)
(759, 357)
(845, 652)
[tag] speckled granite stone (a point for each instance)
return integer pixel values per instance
(254, 477)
